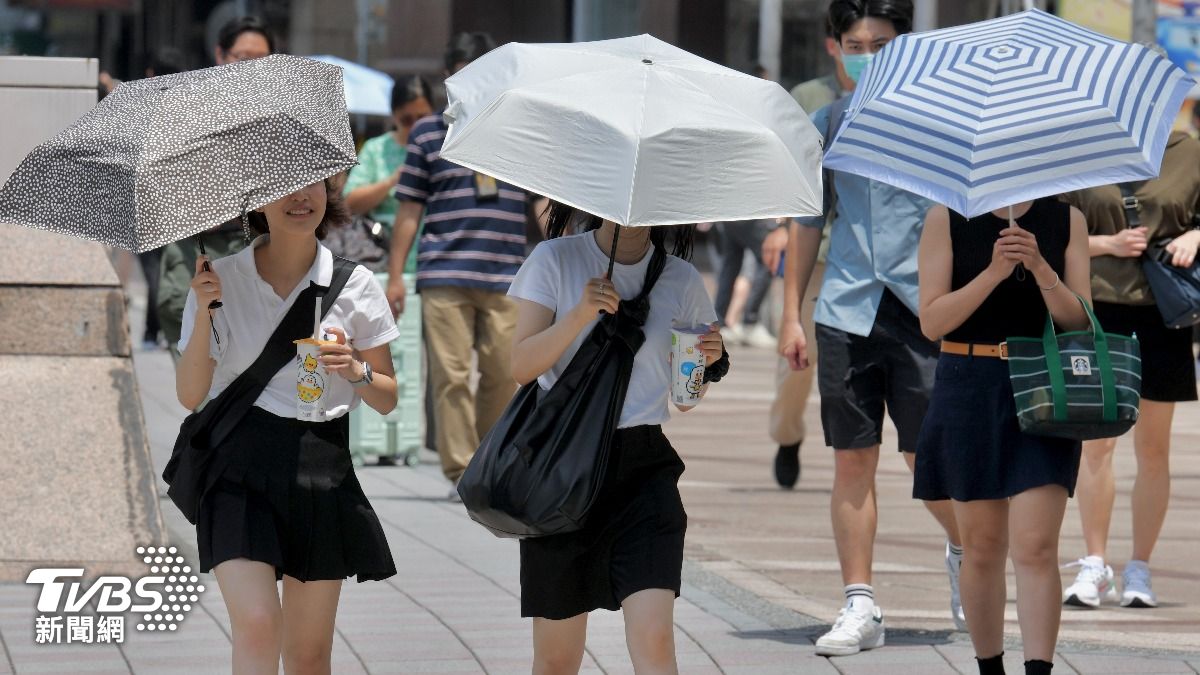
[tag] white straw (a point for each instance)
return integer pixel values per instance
(317, 319)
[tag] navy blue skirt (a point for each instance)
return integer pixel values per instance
(971, 446)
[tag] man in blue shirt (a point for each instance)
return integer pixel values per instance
(871, 354)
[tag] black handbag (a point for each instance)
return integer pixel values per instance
(363, 240)
(192, 470)
(1176, 289)
(540, 468)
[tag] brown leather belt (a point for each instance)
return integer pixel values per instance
(999, 351)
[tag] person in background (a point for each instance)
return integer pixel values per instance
(792, 387)
(1166, 207)
(369, 188)
(472, 245)
(239, 40)
(739, 242)
(873, 355)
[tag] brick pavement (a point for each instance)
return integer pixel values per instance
(760, 580)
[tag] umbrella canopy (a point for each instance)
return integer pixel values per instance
(635, 131)
(167, 157)
(368, 91)
(990, 114)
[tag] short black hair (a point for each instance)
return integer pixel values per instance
(845, 13)
(409, 89)
(336, 213)
(231, 31)
(466, 47)
(759, 70)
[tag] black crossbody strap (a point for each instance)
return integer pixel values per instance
(1131, 205)
(297, 325)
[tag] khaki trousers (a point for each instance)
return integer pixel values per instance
(457, 323)
(792, 387)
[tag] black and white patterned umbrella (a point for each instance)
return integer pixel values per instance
(167, 157)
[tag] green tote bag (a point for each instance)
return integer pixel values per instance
(1080, 385)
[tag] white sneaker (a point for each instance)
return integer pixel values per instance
(953, 567)
(759, 337)
(1135, 580)
(1093, 584)
(852, 632)
(733, 335)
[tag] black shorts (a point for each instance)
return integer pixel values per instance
(858, 376)
(1168, 374)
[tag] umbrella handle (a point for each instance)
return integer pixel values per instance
(215, 304)
(612, 254)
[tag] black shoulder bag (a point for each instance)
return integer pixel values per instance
(189, 472)
(1176, 289)
(541, 467)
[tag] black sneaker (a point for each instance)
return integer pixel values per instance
(787, 466)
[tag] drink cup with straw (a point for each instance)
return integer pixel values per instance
(312, 380)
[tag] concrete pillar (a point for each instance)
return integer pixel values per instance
(78, 486)
(770, 35)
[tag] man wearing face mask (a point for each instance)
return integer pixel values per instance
(872, 355)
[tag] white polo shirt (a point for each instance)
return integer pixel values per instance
(252, 311)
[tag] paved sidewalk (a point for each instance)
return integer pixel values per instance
(760, 582)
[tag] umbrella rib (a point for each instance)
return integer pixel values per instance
(637, 148)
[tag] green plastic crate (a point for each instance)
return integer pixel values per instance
(397, 436)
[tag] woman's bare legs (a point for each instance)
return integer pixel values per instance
(983, 527)
(252, 599)
(309, 610)
(558, 645)
(650, 631)
(1035, 520)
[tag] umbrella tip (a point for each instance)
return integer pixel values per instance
(647, 62)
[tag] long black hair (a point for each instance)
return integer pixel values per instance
(563, 220)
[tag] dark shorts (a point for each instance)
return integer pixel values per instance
(859, 377)
(1168, 374)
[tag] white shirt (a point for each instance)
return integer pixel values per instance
(252, 311)
(554, 276)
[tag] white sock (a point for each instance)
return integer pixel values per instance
(860, 598)
(955, 551)
(1094, 561)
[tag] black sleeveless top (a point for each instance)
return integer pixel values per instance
(1015, 308)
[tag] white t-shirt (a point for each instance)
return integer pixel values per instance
(554, 276)
(252, 311)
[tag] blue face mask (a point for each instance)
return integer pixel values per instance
(855, 64)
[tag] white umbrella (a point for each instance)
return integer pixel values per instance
(635, 131)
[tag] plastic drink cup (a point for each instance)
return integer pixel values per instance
(687, 365)
(312, 380)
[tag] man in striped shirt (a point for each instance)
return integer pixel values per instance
(472, 245)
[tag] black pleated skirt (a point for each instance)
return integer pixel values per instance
(633, 539)
(284, 493)
(971, 445)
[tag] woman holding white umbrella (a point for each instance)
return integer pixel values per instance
(623, 133)
(629, 556)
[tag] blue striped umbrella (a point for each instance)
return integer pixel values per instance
(990, 114)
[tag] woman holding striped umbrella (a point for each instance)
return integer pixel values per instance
(982, 280)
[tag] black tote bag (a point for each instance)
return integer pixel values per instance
(189, 471)
(539, 470)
